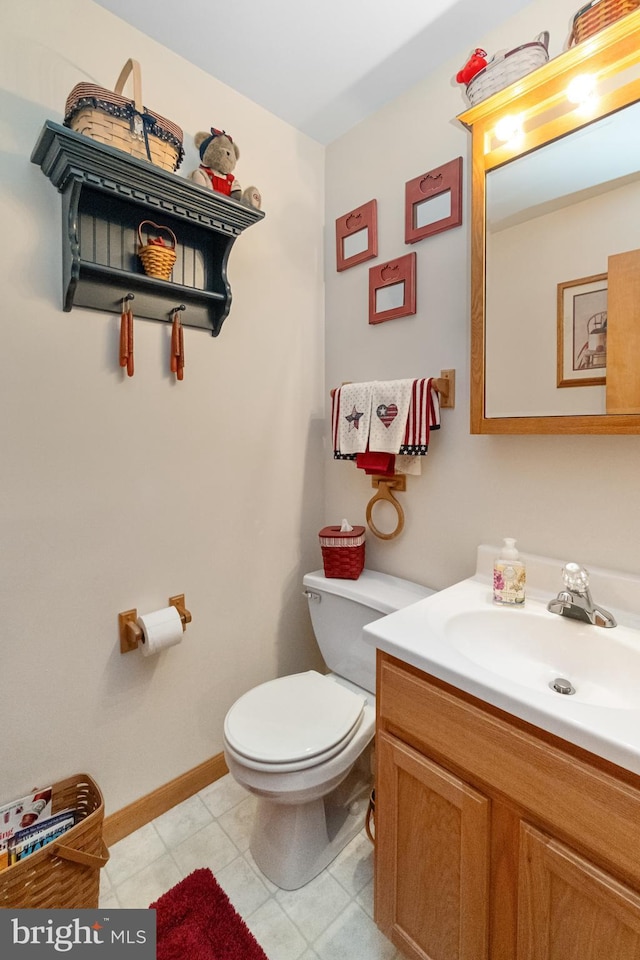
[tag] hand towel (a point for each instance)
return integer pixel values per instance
(390, 401)
(410, 465)
(376, 464)
(423, 416)
(335, 425)
(354, 418)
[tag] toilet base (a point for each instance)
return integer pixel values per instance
(293, 843)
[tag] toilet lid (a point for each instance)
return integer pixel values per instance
(292, 718)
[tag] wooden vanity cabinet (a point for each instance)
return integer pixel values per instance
(495, 840)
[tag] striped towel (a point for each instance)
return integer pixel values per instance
(423, 416)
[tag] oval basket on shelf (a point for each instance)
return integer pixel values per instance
(507, 68)
(157, 258)
(597, 15)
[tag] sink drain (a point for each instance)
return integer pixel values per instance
(560, 685)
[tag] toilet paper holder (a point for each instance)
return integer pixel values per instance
(131, 633)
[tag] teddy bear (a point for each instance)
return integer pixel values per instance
(218, 157)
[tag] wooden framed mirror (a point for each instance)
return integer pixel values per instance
(555, 199)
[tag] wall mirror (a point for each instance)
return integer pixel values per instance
(556, 245)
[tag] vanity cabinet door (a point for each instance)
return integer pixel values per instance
(432, 857)
(569, 909)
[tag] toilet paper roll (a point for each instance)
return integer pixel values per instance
(160, 629)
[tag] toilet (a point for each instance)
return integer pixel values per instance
(302, 744)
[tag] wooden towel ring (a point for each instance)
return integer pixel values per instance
(385, 487)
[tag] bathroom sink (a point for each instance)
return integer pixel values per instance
(533, 647)
(511, 657)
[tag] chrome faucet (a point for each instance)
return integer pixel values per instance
(575, 600)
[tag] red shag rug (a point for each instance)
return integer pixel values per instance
(196, 921)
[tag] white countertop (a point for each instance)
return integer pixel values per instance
(607, 725)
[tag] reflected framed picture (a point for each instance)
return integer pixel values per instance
(357, 236)
(582, 332)
(392, 289)
(433, 202)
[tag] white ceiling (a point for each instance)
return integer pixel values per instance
(320, 65)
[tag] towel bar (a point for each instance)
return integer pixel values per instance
(445, 384)
(446, 387)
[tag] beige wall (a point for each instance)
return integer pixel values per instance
(118, 493)
(569, 497)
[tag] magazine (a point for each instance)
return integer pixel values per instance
(20, 814)
(33, 838)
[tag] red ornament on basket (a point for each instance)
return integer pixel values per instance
(476, 62)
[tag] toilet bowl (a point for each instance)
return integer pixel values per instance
(302, 744)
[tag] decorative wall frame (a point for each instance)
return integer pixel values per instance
(433, 202)
(357, 236)
(582, 332)
(392, 289)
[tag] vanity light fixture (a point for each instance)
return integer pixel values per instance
(510, 129)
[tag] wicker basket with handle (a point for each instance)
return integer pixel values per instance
(157, 258)
(505, 69)
(65, 873)
(111, 118)
(597, 15)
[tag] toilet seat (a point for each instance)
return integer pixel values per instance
(293, 722)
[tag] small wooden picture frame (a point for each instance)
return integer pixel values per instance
(392, 289)
(433, 202)
(357, 236)
(582, 332)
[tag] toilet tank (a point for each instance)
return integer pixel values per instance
(340, 609)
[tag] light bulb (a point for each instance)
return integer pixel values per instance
(582, 89)
(509, 129)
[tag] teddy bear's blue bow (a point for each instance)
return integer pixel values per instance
(214, 133)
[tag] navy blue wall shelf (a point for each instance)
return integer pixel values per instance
(106, 194)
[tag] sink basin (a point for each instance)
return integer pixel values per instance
(510, 657)
(533, 647)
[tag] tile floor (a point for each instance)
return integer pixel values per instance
(328, 919)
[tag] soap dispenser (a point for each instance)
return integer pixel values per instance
(509, 576)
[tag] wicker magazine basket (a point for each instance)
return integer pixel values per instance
(506, 69)
(597, 15)
(342, 552)
(122, 123)
(66, 873)
(157, 258)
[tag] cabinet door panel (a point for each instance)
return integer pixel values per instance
(569, 909)
(432, 857)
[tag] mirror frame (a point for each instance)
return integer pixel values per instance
(539, 98)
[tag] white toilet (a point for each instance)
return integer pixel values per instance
(302, 744)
